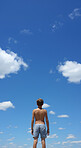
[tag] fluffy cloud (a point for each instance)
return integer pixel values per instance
(4, 146)
(11, 139)
(70, 136)
(75, 13)
(65, 142)
(76, 142)
(15, 126)
(53, 136)
(1, 132)
(57, 25)
(10, 63)
(63, 116)
(57, 142)
(54, 122)
(71, 70)
(51, 71)
(10, 126)
(61, 128)
(29, 131)
(5, 105)
(12, 40)
(26, 31)
(25, 144)
(45, 105)
(52, 112)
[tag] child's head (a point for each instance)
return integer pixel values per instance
(40, 102)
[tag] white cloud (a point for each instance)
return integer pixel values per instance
(57, 142)
(51, 71)
(70, 136)
(76, 142)
(11, 139)
(61, 128)
(54, 122)
(29, 131)
(1, 132)
(45, 105)
(54, 26)
(53, 136)
(28, 139)
(75, 13)
(52, 112)
(57, 25)
(71, 70)
(25, 144)
(11, 143)
(10, 63)
(71, 142)
(63, 116)
(26, 31)
(9, 126)
(4, 146)
(5, 105)
(57, 80)
(65, 142)
(12, 40)
(15, 126)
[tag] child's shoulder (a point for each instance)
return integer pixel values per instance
(34, 109)
(45, 110)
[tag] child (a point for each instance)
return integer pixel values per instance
(39, 114)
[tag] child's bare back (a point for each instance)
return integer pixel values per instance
(39, 115)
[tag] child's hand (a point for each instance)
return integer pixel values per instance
(32, 132)
(48, 132)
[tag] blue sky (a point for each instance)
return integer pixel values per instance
(40, 57)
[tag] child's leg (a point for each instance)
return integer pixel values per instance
(35, 142)
(43, 142)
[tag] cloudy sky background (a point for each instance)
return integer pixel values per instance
(40, 56)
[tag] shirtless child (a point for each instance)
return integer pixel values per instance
(39, 114)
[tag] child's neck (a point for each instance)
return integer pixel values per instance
(40, 107)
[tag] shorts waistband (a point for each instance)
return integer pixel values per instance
(39, 124)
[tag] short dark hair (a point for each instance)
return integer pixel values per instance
(40, 102)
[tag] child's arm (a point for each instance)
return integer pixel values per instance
(47, 122)
(32, 122)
